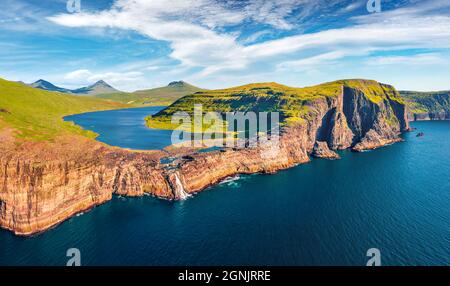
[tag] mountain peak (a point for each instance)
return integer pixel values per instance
(179, 83)
(42, 82)
(45, 85)
(101, 83)
(99, 87)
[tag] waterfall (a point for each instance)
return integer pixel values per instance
(179, 189)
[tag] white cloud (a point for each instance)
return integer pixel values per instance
(123, 80)
(192, 44)
(311, 63)
(353, 6)
(78, 75)
(255, 36)
(431, 32)
(413, 60)
(190, 29)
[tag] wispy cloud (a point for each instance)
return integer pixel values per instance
(311, 63)
(195, 43)
(212, 41)
(428, 59)
(86, 77)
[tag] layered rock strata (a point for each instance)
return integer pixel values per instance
(42, 184)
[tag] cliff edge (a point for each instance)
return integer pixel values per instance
(44, 182)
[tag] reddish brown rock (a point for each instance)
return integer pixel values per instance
(42, 184)
(321, 150)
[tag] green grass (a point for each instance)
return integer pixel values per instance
(161, 96)
(375, 91)
(427, 102)
(38, 115)
(292, 103)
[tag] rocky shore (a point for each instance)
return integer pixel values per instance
(426, 116)
(42, 184)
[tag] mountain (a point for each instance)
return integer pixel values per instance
(428, 105)
(180, 85)
(37, 114)
(45, 85)
(100, 87)
(97, 88)
(50, 171)
(161, 96)
(357, 114)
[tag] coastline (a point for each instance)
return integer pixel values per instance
(46, 183)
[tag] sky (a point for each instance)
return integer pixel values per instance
(140, 44)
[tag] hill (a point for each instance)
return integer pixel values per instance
(38, 114)
(43, 183)
(45, 85)
(99, 87)
(294, 104)
(428, 105)
(161, 96)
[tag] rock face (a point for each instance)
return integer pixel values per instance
(427, 105)
(444, 115)
(42, 184)
(100, 87)
(321, 150)
(37, 192)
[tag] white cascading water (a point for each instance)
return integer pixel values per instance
(181, 193)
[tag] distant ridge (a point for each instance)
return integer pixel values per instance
(45, 85)
(433, 105)
(100, 87)
(161, 96)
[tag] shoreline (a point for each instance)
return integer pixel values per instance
(63, 216)
(45, 183)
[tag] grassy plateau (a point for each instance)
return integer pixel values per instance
(292, 103)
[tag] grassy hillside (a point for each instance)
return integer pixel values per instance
(161, 96)
(37, 114)
(427, 102)
(292, 103)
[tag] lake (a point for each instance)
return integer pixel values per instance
(395, 199)
(124, 128)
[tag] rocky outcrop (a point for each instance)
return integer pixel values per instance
(426, 116)
(37, 192)
(427, 105)
(321, 150)
(42, 184)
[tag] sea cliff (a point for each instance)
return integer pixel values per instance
(43, 183)
(427, 105)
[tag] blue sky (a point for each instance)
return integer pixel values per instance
(137, 44)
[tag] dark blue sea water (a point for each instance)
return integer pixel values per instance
(395, 199)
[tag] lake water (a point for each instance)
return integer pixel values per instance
(124, 128)
(395, 199)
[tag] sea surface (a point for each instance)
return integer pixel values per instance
(395, 199)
